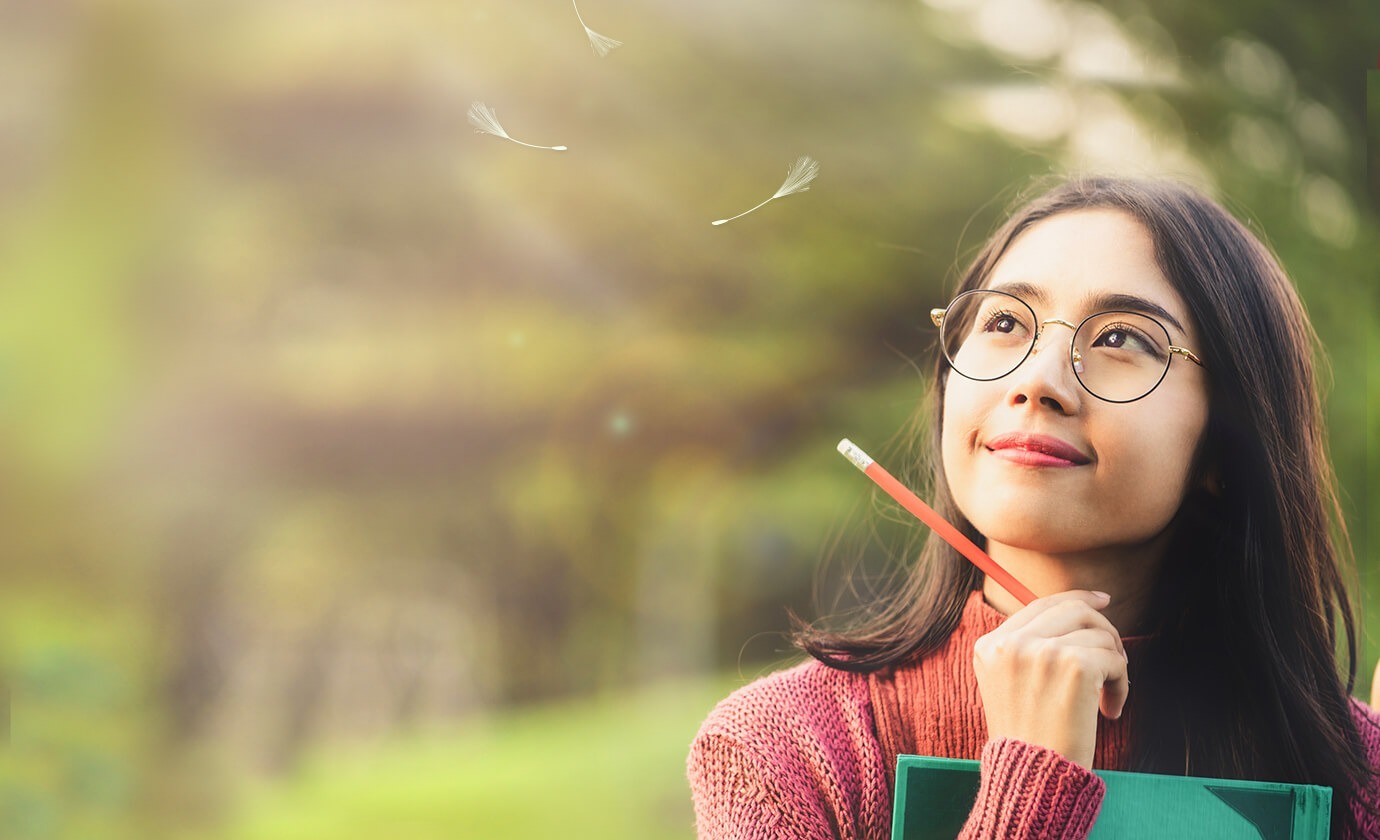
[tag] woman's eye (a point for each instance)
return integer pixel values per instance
(1002, 322)
(1125, 338)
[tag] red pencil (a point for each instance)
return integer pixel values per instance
(926, 514)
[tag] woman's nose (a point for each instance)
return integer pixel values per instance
(1046, 377)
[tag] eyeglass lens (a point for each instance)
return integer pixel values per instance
(1118, 356)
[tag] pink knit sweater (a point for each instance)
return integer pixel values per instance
(810, 752)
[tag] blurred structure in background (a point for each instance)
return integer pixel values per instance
(330, 427)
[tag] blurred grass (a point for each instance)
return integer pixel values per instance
(604, 767)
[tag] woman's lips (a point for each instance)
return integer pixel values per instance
(1036, 450)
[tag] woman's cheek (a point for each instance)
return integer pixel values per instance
(957, 436)
(949, 440)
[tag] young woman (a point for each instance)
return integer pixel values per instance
(1126, 417)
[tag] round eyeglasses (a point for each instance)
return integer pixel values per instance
(1117, 356)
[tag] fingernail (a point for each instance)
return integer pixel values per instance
(1103, 595)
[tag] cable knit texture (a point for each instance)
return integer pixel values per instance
(810, 752)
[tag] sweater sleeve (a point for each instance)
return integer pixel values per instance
(1032, 792)
(1366, 806)
(738, 796)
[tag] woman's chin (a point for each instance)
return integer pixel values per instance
(1038, 532)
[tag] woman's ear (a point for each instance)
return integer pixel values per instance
(1212, 482)
(1207, 464)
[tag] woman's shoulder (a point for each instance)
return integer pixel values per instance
(807, 695)
(792, 754)
(806, 688)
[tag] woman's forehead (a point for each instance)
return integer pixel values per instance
(1088, 261)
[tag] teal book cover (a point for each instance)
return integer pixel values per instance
(934, 796)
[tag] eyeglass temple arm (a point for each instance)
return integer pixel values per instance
(937, 316)
(1187, 354)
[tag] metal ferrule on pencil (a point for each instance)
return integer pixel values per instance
(854, 454)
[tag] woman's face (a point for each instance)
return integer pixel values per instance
(1126, 466)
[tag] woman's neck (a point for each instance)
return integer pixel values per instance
(1127, 575)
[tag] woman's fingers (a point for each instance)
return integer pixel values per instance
(1036, 608)
(1071, 629)
(1060, 614)
(1091, 638)
(1115, 689)
(1083, 660)
(1071, 616)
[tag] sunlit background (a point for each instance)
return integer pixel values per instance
(365, 476)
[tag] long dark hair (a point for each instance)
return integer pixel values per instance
(1240, 678)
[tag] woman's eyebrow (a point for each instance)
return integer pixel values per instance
(1023, 290)
(1096, 302)
(1134, 303)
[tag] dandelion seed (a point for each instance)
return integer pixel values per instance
(602, 44)
(485, 121)
(798, 179)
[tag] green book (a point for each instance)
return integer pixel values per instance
(935, 795)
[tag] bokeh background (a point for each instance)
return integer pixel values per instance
(361, 475)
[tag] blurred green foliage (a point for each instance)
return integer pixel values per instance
(329, 425)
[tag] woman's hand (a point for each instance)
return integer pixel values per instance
(1048, 669)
